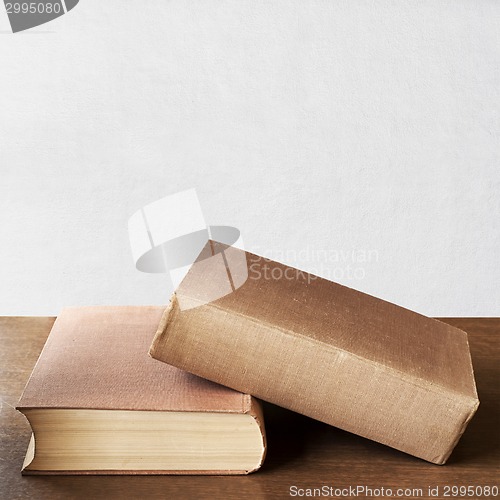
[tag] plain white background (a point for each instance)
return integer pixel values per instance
(324, 130)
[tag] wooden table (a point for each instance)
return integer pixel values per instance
(302, 453)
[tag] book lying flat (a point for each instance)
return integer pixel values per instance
(97, 403)
(324, 350)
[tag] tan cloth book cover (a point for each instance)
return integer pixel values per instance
(324, 350)
(98, 403)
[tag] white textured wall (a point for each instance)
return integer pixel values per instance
(312, 126)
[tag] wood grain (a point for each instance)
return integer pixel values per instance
(302, 452)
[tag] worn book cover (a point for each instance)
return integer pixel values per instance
(324, 350)
(98, 403)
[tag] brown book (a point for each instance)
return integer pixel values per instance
(98, 404)
(324, 350)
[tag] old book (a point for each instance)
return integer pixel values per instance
(324, 350)
(98, 404)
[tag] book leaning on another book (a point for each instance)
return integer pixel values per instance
(97, 403)
(319, 348)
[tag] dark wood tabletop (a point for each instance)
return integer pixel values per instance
(302, 453)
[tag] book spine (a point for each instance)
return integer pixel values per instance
(255, 410)
(315, 379)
